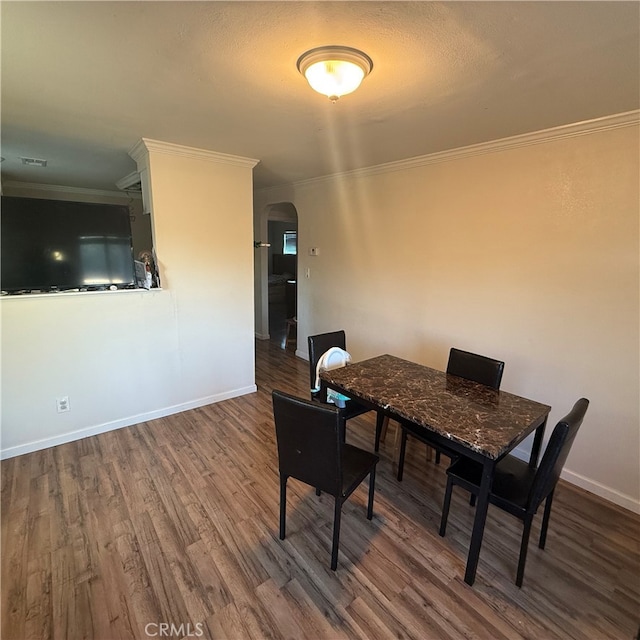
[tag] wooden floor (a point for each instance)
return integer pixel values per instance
(175, 522)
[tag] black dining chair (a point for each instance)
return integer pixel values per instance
(311, 448)
(462, 364)
(519, 488)
(320, 344)
(476, 368)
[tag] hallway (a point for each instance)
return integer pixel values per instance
(278, 326)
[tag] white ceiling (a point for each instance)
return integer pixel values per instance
(82, 82)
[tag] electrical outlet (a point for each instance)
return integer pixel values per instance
(63, 404)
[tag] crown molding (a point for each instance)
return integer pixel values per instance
(56, 188)
(146, 145)
(586, 127)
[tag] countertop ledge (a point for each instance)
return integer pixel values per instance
(65, 294)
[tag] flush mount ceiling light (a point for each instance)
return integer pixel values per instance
(334, 71)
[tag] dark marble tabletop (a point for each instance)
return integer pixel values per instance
(482, 419)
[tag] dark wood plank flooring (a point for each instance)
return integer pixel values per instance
(175, 522)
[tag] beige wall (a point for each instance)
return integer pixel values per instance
(528, 254)
(128, 356)
(204, 245)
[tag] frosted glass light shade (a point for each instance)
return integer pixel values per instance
(334, 71)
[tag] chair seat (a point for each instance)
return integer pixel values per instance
(512, 480)
(357, 464)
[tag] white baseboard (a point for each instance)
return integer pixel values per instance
(70, 436)
(622, 500)
(262, 336)
(611, 495)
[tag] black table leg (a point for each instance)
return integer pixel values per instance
(537, 444)
(478, 523)
(403, 448)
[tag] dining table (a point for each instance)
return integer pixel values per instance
(458, 415)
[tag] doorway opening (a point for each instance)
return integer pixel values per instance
(281, 274)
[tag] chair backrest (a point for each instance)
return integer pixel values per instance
(310, 442)
(318, 344)
(555, 455)
(474, 367)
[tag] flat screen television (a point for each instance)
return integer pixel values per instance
(55, 245)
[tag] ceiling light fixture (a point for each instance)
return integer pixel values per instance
(334, 71)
